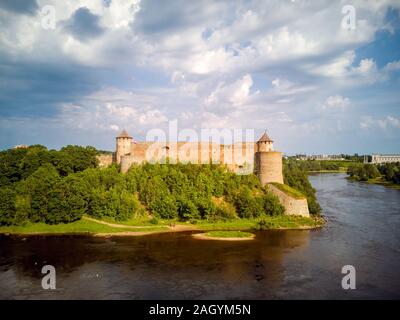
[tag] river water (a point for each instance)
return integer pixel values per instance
(362, 230)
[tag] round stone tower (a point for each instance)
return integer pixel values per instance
(124, 144)
(268, 162)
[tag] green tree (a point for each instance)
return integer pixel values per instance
(7, 206)
(39, 185)
(68, 200)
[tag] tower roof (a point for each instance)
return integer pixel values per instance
(265, 138)
(124, 134)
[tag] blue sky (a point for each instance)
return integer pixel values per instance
(285, 66)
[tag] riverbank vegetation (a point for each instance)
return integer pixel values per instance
(46, 187)
(386, 174)
(296, 176)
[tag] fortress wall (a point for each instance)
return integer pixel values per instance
(269, 167)
(292, 205)
(194, 152)
(105, 159)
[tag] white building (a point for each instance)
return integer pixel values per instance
(385, 158)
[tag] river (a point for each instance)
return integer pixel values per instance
(362, 230)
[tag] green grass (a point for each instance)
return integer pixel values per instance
(137, 221)
(229, 234)
(271, 222)
(90, 227)
(289, 190)
(291, 222)
(80, 226)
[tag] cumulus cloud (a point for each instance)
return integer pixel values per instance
(135, 64)
(234, 95)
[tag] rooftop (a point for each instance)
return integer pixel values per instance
(265, 138)
(124, 134)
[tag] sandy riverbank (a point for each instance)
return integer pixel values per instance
(203, 236)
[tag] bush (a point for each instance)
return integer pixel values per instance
(263, 225)
(272, 205)
(153, 220)
(225, 211)
(165, 208)
(206, 207)
(246, 204)
(187, 209)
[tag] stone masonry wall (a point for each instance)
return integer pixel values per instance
(292, 205)
(105, 159)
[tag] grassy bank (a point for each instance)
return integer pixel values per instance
(84, 226)
(271, 222)
(77, 227)
(225, 235)
(289, 190)
(340, 170)
(379, 181)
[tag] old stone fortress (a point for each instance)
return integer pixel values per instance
(242, 158)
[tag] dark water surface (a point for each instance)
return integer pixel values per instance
(363, 230)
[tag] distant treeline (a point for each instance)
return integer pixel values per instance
(321, 165)
(38, 185)
(389, 172)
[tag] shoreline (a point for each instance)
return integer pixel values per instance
(386, 184)
(88, 226)
(203, 236)
(327, 171)
(144, 233)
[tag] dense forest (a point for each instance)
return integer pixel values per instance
(389, 172)
(40, 185)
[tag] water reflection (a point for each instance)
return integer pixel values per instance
(155, 266)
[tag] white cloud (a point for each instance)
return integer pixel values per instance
(235, 94)
(336, 102)
(114, 127)
(385, 123)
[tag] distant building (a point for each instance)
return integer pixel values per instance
(385, 158)
(319, 157)
(21, 146)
